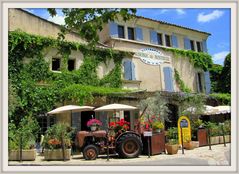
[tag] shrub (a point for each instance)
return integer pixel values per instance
(55, 134)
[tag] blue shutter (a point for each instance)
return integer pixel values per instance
(113, 29)
(204, 46)
(139, 34)
(168, 80)
(187, 45)
(207, 82)
(127, 70)
(175, 41)
(198, 86)
(153, 37)
(133, 71)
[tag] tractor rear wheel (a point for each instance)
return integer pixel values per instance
(129, 146)
(90, 152)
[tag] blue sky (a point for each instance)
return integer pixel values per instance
(211, 20)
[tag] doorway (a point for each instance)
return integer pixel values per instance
(172, 116)
(86, 116)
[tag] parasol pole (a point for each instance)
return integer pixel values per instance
(107, 138)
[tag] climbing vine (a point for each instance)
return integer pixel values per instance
(198, 59)
(40, 89)
(180, 82)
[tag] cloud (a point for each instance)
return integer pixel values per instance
(218, 58)
(202, 17)
(57, 19)
(180, 11)
(164, 11)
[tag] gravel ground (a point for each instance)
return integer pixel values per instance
(219, 155)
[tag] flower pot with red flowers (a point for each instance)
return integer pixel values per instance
(94, 124)
(57, 142)
(119, 126)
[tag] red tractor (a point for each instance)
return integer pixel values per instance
(126, 144)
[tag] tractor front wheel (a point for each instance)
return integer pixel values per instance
(90, 152)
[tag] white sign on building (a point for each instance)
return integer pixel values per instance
(152, 56)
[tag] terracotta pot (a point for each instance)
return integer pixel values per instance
(171, 148)
(56, 154)
(27, 155)
(188, 145)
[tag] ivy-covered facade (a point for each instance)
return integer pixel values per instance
(46, 72)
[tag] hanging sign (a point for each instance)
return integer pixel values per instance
(152, 56)
(184, 123)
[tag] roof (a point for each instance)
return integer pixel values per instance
(163, 22)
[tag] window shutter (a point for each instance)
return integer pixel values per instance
(113, 29)
(207, 82)
(175, 41)
(197, 79)
(153, 37)
(168, 80)
(133, 71)
(139, 34)
(127, 70)
(187, 45)
(204, 46)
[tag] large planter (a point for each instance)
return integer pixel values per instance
(188, 145)
(27, 155)
(227, 139)
(56, 154)
(215, 139)
(171, 148)
(195, 144)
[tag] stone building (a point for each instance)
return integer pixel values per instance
(152, 66)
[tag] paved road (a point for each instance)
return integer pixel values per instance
(219, 155)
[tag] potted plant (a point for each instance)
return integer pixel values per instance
(227, 131)
(214, 132)
(57, 142)
(119, 126)
(172, 144)
(188, 144)
(94, 124)
(21, 139)
(157, 126)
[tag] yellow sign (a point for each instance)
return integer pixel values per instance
(184, 123)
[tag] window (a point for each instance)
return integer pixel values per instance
(192, 45)
(56, 64)
(130, 33)
(199, 47)
(160, 40)
(167, 40)
(120, 31)
(71, 65)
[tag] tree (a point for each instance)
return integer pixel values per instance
(225, 80)
(88, 22)
(215, 76)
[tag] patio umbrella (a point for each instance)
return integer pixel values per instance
(113, 107)
(223, 109)
(209, 110)
(71, 109)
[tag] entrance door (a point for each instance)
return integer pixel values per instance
(86, 116)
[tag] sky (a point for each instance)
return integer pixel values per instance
(211, 20)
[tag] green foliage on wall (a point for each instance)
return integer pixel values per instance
(224, 98)
(180, 82)
(40, 89)
(198, 59)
